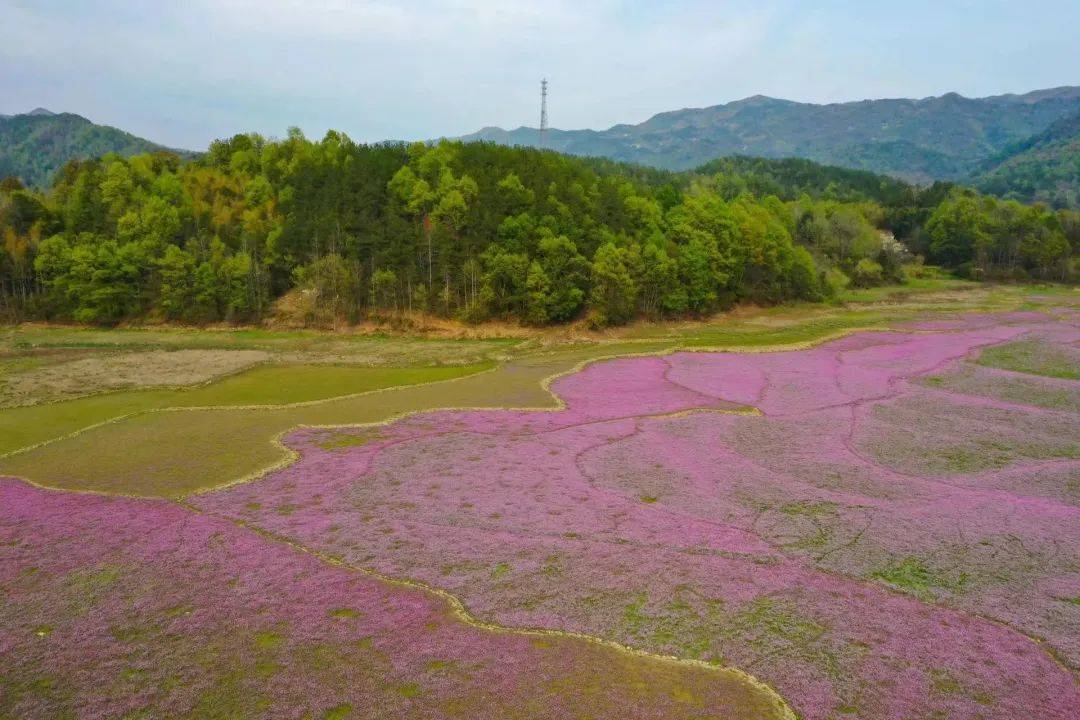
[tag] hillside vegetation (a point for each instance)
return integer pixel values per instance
(34, 146)
(937, 138)
(480, 231)
(1043, 168)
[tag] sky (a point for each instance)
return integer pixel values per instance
(184, 73)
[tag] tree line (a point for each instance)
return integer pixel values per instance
(479, 231)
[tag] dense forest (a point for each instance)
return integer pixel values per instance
(478, 231)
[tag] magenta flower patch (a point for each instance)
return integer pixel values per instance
(868, 545)
(125, 608)
(893, 533)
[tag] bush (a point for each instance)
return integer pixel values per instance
(835, 281)
(867, 273)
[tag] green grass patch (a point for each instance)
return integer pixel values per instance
(945, 683)
(344, 613)
(934, 437)
(809, 508)
(772, 618)
(342, 440)
(810, 329)
(171, 454)
(1033, 357)
(266, 640)
(34, 685)
(304, 383)
(24, 426)
(1021, 390)
(89, 585)
(422, 350)
(686, 624)
(989, 454)
(963, 459)
(910, 289)
(914, 577)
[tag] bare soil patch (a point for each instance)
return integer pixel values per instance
(123, 371)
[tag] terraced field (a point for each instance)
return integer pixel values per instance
(884, 524)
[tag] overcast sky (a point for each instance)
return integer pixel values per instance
(184, 73)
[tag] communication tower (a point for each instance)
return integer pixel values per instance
(543, 112)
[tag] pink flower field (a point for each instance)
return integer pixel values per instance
(878, 527)
(117, 608)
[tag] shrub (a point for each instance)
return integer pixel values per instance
(867, 273)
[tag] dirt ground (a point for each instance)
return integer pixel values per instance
(123, 371)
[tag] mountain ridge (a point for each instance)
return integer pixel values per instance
(36, 144)
(934, 138)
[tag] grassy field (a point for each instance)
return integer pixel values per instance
(1034, 358)
(376, 349)
(48, 363)
(265, 386)
(172, 442)
(174, 452)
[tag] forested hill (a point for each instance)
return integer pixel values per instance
(788, 178)
(937, 138)
(334, 229)
(1043, 168)
(34, 145)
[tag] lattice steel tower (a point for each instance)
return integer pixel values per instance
(543, 112)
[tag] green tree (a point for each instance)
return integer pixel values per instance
(177, 291)
(384, 288)
(504, 283)
(332, 285)
(957, 230)
(614, 289)
(661, 292)
(567, 274)
(537, 295)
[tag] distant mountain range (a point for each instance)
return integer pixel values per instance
(1023, 146)
(34, 145)
(937, 138)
